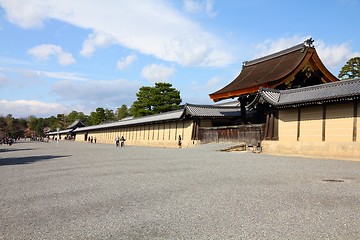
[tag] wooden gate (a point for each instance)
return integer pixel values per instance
(240, 133)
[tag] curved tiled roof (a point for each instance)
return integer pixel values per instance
(335, 91)
(212, 111)
(271, 71)
(168, 116)
(76, 123)
(189, 110)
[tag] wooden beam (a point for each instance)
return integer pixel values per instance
(298, 124)
(323, 137)
(355, 116)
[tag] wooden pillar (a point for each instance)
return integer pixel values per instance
(242, 101)
(271, 125)
(298, 124)
(323, 137)
(356, 104)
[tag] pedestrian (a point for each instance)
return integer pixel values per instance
(122, 139)
(117, 141)
(179, 141)
(94, 139)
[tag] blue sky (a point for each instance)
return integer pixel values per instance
(59, 56)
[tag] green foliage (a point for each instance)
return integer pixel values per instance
(143, 105)
(351, 69)
(12, 127)
(158, 99)
(18, 128)
(52, 123)
(109, 115)
(32, 121)
(39, 127)
(122, 112)
(100, 115)
(74, 115)
(62, 121)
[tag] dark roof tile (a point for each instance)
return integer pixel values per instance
(314, 94)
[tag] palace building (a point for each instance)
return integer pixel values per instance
(306, 110)
(161, 130)
(288, 102)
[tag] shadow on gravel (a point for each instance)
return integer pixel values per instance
(15, 150)
(27, 160)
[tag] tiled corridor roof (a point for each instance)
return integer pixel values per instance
(335, 91)
(189, 110)
(211, 111)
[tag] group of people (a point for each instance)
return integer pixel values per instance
(7, 140)
(91, 139)
(119, 141)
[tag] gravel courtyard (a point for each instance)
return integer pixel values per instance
(96, 191)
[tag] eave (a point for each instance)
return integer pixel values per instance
(286, 64)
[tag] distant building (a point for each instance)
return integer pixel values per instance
(67, 133)
(163, 130)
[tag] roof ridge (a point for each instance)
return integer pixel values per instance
(340, 90)
(276, 54)
(323, 85)
(208, 106)
(269, 89)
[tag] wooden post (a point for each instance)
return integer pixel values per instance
(242, 101)
(298, 124)
(324, 123)
(356, 104)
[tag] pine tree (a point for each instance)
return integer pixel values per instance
(351, 69)
(158, 99)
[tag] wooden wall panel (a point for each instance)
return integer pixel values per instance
(357, 130)
(205, 123)
(339, 123)
(288, 124)
(311, 124)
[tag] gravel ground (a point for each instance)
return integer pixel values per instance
(97, 191)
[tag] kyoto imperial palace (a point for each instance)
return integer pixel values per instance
(290, 98)
(306, 110)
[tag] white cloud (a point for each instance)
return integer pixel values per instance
(270, 46)
(213, 82)
(23, 14)
(13, 61)
(25, 108)
(44, 51)
(192, 6)
(197, 6)
(3, 79)
(334, 56)
(97, 93)
(61, 75)
(94, 41)
(195, 49)
(161, 31)
(125, 62)
(157, 73)
(209, 8)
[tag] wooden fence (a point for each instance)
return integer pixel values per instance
(241, 133)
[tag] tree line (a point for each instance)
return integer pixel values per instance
(150, 100)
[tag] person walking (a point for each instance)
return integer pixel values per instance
(122, 141)
(117, 140)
